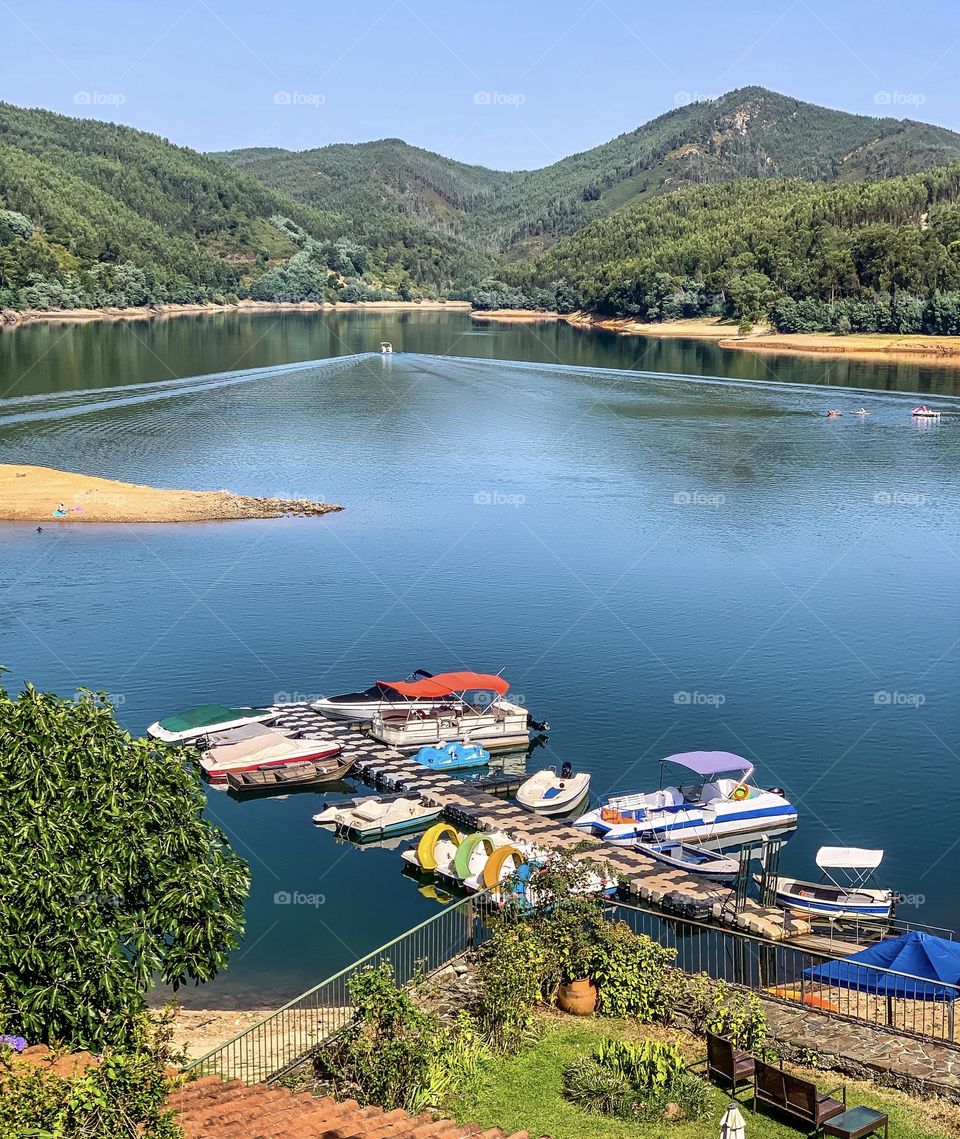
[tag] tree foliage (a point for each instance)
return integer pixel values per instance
(110, 877)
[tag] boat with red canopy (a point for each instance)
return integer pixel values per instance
(466, 707)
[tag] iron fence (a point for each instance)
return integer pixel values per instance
(777, 971)
(285, 1038)
(795, 975)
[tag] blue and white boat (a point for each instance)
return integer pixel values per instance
(719, 802)
(830, 898)
(694, 859)
(453, 757)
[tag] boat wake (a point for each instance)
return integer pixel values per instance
(62, 405)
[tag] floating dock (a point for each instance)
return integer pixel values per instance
(475, 806)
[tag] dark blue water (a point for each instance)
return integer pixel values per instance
(657, 562)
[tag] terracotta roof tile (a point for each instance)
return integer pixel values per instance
(211, 1109)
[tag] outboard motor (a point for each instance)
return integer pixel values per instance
(566, 771)
(777, 791)
(537, 725)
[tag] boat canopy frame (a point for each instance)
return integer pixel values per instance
(857, 865)
(707, 764)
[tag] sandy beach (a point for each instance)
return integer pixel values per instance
(15, 318)
(32, 494)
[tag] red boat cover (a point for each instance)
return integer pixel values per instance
(448, 683)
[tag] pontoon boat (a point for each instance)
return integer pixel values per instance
(851, 899)
(473, 710)
(720, 802)
(207, 718)
(547, 793)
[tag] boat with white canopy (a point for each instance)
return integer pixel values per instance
(469, 707)
(842, 892)
(720, 801)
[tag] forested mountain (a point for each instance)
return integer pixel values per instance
(881, 256)
(92, 213)
(749, 133)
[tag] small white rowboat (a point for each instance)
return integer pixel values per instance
(547, 793)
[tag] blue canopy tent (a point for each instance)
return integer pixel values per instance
(921, 968)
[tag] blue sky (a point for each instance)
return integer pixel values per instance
(507, 83)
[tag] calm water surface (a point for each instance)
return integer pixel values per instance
(665, 546)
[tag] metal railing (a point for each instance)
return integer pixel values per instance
(285, 1038)
(793, 975)
(775, 970)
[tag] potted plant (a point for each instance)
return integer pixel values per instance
(577, 992)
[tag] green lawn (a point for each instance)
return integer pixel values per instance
(523, 1093)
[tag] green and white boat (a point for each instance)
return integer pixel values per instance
(207, 719)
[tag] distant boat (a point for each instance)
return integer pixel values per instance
(205, 719)
(834, 413)
(547, 793)
(924, 412)
(386, 347)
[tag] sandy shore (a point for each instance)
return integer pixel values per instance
(13, 318)
(874, 346)
(32, 494)
(197, 1031)
(515, 315)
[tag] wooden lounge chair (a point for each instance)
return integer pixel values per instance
(725, 1062)
(795, 1096)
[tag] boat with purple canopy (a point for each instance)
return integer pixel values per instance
(719, 801)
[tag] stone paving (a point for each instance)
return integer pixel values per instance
(866, 1051)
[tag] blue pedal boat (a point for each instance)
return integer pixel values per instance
(453, 757)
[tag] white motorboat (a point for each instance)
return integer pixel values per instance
(256, 747)
(475, 711)
(377, 817)
(547, 793)
(197, 722)
(719, 803)
(851, 899)
(693, 859)
(363, 705)
(924, 412)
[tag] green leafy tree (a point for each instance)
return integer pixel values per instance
(110, 876)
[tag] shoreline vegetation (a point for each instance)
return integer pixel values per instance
(34, 494)
(868, 346)
(17, 318)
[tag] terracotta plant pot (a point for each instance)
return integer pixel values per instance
(578, 997)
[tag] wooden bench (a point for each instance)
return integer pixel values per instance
(795, 1096)
(725, 1062)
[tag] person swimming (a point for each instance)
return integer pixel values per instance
(834, 413)
(861, 411)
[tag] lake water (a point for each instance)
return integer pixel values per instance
(664, 546)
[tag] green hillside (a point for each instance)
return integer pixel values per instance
(881, 256)
(92, 213)
(749, 133)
